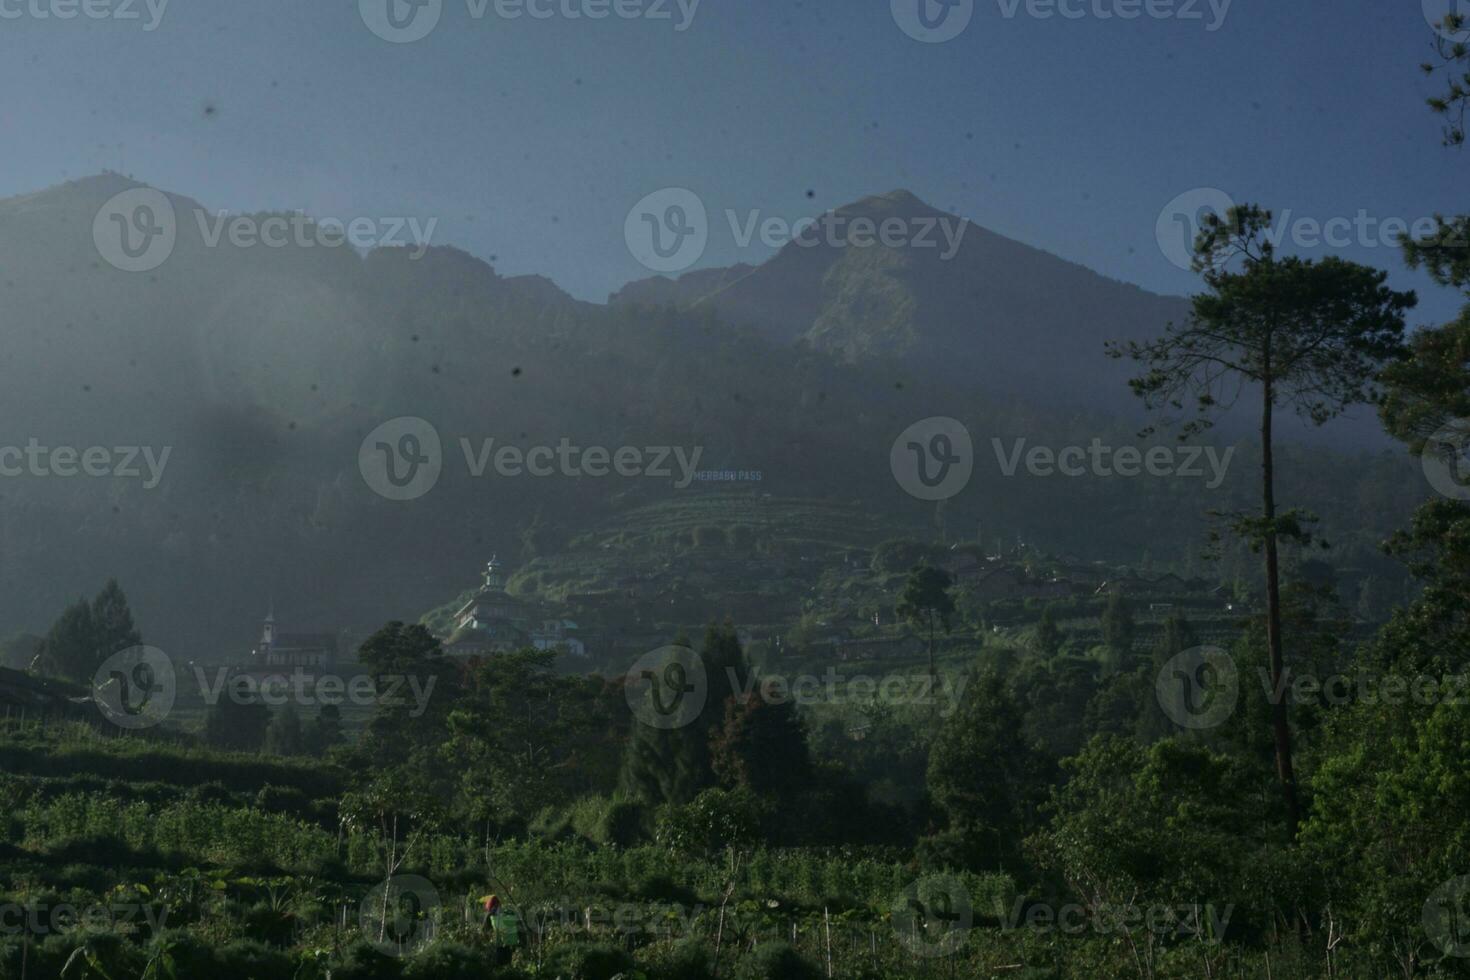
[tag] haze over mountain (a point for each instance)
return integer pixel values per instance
(263, 369)
(959, 303)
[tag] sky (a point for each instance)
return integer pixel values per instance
(528, 139)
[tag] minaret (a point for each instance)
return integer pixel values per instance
(268, 630)
(493, 581)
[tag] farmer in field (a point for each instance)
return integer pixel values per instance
(505, 926)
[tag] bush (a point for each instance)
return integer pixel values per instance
(712, 821)
(246, 959)
(587, 961)
(688, 960)
(623, 824)
(776, 961)
(364, 961)
(283, 799)
(450, 961)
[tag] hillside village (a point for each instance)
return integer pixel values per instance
(836, 605)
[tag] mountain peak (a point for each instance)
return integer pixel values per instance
(897, 201)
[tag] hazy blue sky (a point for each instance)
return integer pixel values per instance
(530, 139)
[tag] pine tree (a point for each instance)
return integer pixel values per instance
(285, 735)
(326, 730)
(674, 765)
(1049, 637)
(69, 650)
(113, 621)
(1118, 628)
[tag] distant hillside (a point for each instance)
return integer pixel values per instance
(263, 370)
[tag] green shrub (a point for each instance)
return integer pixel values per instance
(587, 961)
(363, 961)
(688, 960)
(450, 961)
(776, 961)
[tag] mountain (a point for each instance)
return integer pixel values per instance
(950, 299)
(262, 370)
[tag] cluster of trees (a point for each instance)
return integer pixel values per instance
(86, 634)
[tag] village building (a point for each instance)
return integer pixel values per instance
(494, 621)
(278, 652)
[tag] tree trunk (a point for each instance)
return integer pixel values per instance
(1279, 723)
(933, 703)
